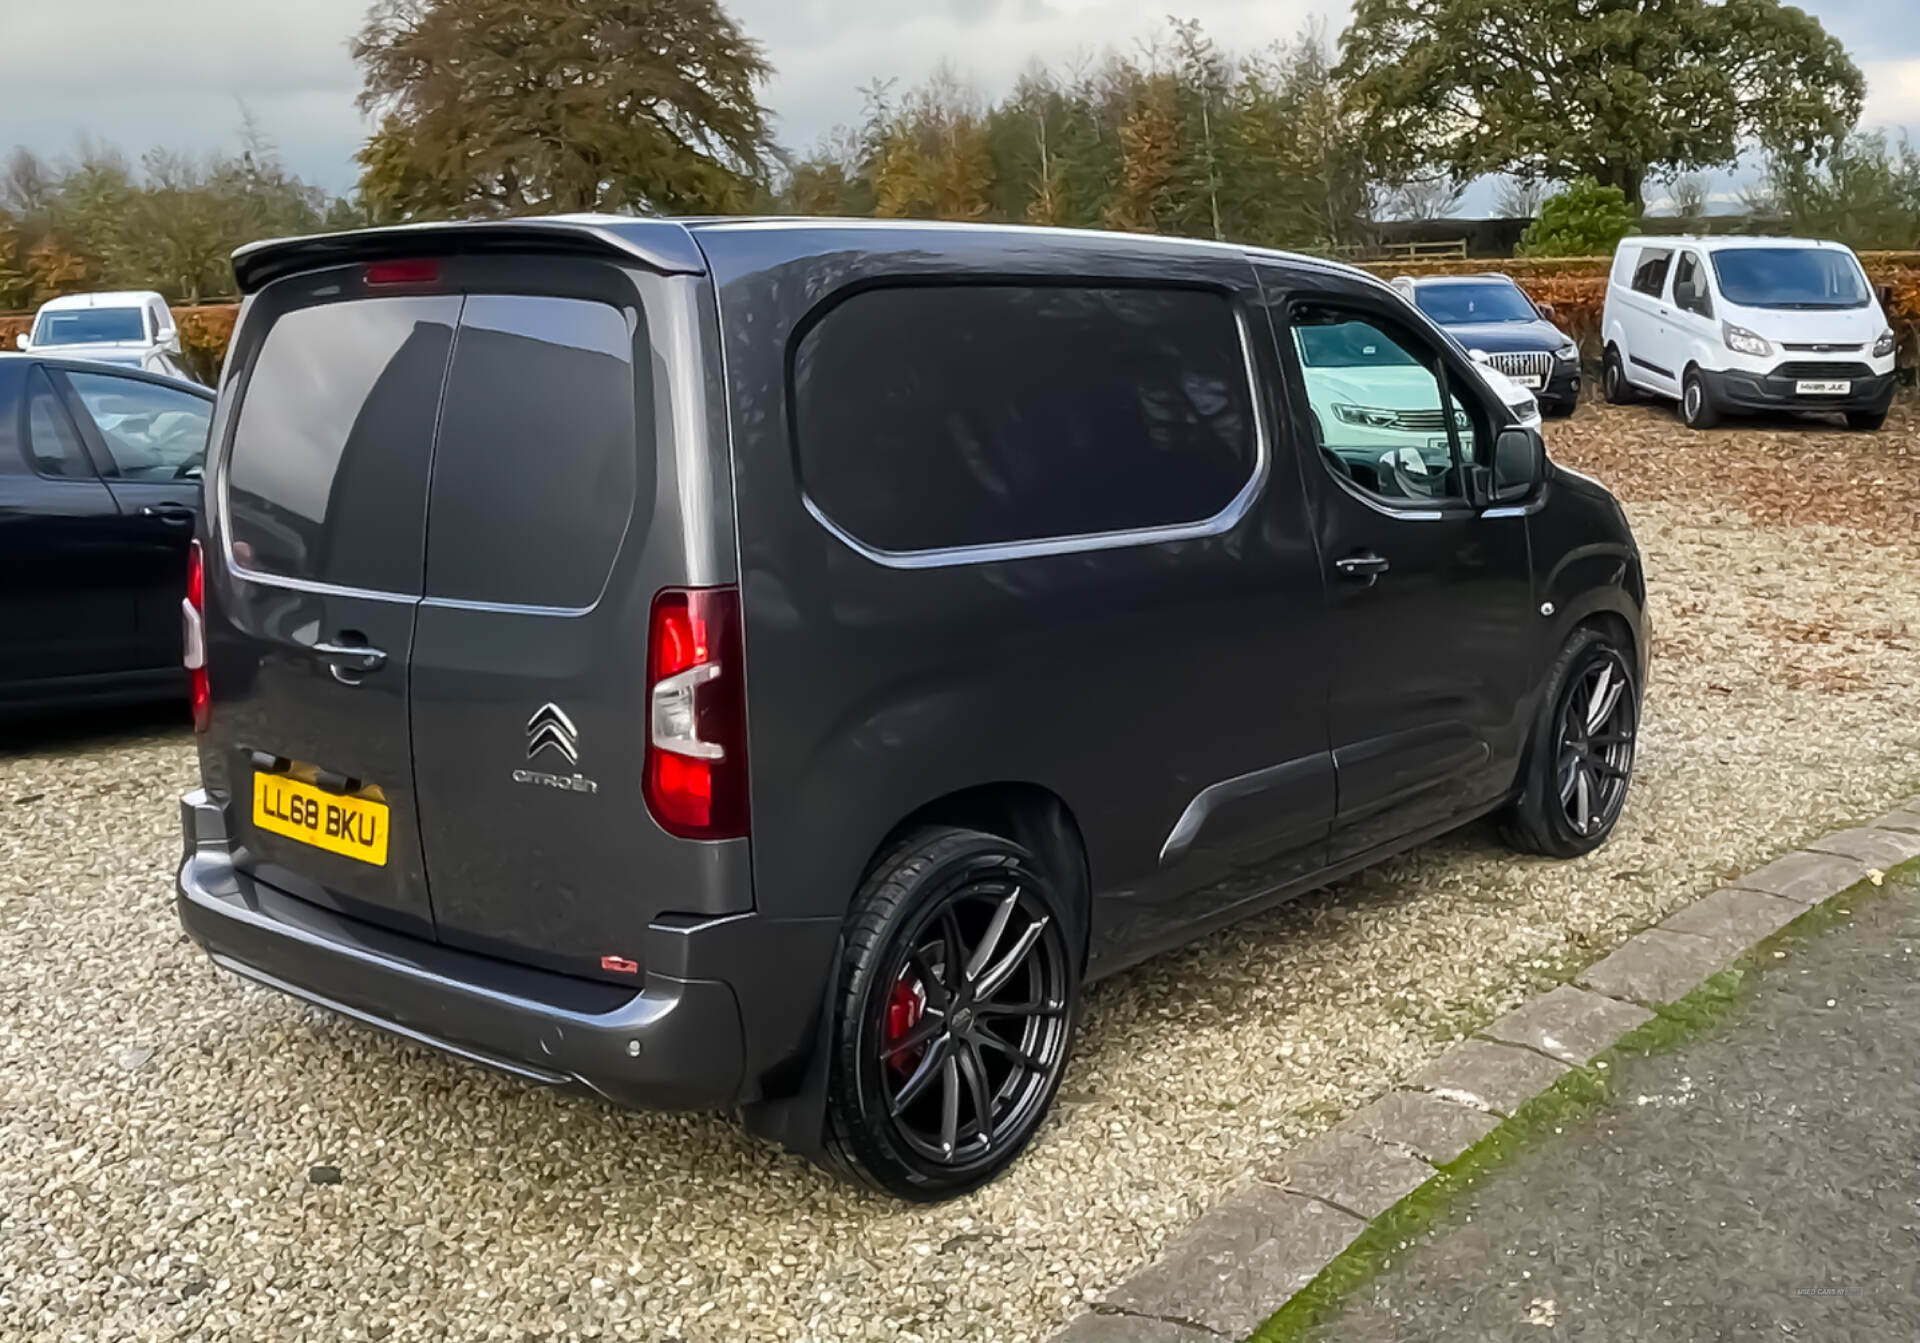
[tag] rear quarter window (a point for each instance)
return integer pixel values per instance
(940, 417)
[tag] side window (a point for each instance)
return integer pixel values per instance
(151, 432)
(935, 417)
(1690, 286)
(52, 441)
(326, 478)
(534, 476)
(1379, 416)
(1650, 276)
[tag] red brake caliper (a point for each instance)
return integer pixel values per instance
(904, 1009)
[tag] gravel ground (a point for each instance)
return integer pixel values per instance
(186, 1156)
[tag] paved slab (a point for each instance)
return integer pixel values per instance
(1759, 1182)
(1488, 1076)
(1224, 1273)
(1131, 1329)
(1871, 845)
(1656, 967)
(1431, 1127)
(1352, 1171)
(1805, 877)
(1571, 1024)
(1905, 818)
(1733, 918)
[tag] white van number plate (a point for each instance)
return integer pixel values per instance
(1804, 387)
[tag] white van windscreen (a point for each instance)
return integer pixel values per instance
(1790, 277)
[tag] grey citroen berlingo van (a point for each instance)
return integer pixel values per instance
(777, 664)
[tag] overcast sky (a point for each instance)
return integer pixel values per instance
(138, 73)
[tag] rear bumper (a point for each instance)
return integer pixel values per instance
(678, 1043)
(1736, 390)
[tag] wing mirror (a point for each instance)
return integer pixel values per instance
(20, 341)
(1519, 463)
(170, 340)
(1480, 357)
(1549, 312)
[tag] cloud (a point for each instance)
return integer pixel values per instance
(1893, 95)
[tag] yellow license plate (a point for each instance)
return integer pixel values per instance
(354, 826)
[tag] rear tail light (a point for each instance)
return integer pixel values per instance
(696, 773)
(193, 629)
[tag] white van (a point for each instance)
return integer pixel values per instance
(132, 329)
(1736, 324)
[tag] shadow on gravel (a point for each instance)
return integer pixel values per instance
(53, 731)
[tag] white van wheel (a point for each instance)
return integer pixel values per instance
(1613, 379)
(1696, 402)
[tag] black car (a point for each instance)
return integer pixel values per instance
(778, 664)
(99, 491)
(1493, 317)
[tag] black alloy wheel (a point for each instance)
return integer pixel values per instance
(956, 1017)
(1596, 745)
(1579, 761)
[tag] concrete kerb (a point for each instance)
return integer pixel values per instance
(1247, 1256)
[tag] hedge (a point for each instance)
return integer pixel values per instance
(1575, 286)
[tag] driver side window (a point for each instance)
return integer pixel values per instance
(1380, 418)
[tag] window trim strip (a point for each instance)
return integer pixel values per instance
(996, 552)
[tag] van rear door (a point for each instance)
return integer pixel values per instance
(313, 580)
(572, 481)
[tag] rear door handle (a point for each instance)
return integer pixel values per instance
(174, 515)
(1366, 565)
(350, 657)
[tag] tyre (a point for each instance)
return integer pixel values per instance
(1867, 421)
(956, 1008)
(1613, 379)
(1579, 759)
(1697, 407)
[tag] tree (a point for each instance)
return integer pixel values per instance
(1614, 90)
(507, 107)
(1427, 197)
(1520, 197)
(1867, 194)
(1586, 219)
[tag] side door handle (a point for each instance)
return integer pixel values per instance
(348, 662)
(1366, 565)
(174, 515)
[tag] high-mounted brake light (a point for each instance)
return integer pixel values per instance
(415, 271)
(193, 636)
(696, 770)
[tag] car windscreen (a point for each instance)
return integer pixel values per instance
(1465, 304)
(1790, 277)
(89, 326)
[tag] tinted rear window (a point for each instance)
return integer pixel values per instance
(935, 417)
(327, 477)
(533, 479)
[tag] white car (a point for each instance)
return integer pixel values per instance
(1746, 324)
(130, 329)
(1377, 407)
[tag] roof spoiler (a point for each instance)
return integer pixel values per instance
(663, 245)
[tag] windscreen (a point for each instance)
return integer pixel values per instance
(1464, 304)
(89, 326)
(1790, 277)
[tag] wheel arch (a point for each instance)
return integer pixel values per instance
(1032, 816)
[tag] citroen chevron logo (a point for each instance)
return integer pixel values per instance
(550, 729)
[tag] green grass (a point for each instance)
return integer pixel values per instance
(1573, 1099)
